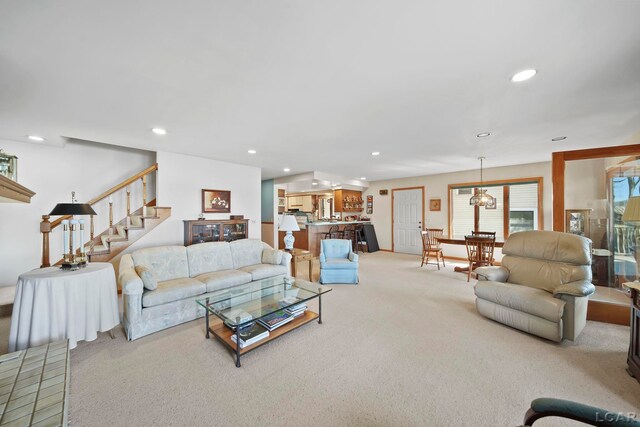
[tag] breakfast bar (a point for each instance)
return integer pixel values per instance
(310, 234)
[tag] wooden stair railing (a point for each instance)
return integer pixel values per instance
(47, 227)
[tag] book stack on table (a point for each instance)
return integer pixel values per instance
(251, 334)
(296, 310)
(275, 320)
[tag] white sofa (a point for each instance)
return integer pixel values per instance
(184, 274)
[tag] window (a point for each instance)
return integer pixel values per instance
(518, 208)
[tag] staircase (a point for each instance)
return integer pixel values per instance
(118, 236)
(112, 241)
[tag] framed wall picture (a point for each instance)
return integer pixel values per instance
(216, 201)
(435, 204)
(577, 221)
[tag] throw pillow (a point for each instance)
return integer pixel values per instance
(148, 278)
(271, 256)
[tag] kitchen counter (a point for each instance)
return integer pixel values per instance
(321, 223)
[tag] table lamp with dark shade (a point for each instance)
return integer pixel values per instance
(70, 260)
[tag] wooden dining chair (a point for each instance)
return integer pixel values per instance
(479, 252)
(490, 234)
(431, 246)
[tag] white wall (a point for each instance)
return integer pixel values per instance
(584, 182)
(436, 186)
(181, 179)
(53, 172)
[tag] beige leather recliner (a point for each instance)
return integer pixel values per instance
(542, 287)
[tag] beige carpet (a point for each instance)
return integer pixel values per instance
(405, 347)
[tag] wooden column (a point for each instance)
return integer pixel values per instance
(45, 229)
(557, 172)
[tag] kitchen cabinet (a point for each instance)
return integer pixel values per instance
(301, 203)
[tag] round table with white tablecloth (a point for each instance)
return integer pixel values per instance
(53, 304)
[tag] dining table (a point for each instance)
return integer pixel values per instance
(462, 242)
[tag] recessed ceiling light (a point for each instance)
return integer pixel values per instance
(35, 138)
(483, 134)
(251, 151)
(314, 183)
(363, 178)
(286, 170)
(375, 153)
(559, 138)
(159, 131)
(523, 75)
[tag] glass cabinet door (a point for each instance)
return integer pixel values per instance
(235, 232)
(206, 233)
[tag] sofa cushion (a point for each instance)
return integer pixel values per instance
(339, 264)
(262, 271)
(522, 298)
(271, 256)
(224, 279)
(209, 257)
(246, 252)
(173, 290)
(166, 262)
(148, 278)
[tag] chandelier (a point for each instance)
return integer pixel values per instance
(481, 198)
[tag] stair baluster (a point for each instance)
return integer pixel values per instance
(144, 195)
(110, 215)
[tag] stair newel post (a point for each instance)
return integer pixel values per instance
(144, 195)
(45, 229)
(110, 215)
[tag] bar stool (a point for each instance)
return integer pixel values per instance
(360, 242)
(349, 232)
(333, 232)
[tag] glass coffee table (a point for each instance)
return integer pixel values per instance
(260, 303)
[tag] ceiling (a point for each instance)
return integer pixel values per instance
(320, 85)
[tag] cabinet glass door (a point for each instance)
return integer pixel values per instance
(206, 233)
(234, 232)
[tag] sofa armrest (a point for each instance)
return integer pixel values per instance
(353, 257)
(286, 259)
(493, 274)
(579, 288)
(130, 282)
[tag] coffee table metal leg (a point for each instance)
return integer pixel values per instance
(206, 318)
(311, 270)
(238, 342)
(319, 306)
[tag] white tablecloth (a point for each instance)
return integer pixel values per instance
(52, 304)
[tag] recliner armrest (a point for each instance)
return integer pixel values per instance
(580, 288)
(353, 257)
(493, 274)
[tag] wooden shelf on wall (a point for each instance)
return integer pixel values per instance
(345, 200)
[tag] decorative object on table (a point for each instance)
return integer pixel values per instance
(216, 201)
(289, 224)
(384, 192)
(201, 216)
(8, 165)
(369, 205)
(481, 197)
(236, 216)
(71, 260)
(577, 221)
(435, 204)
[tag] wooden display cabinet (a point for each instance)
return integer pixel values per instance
(215, 230)
(348, 201)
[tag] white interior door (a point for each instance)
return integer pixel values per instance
(407, 221)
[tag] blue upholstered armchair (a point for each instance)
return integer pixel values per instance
(338, 263)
